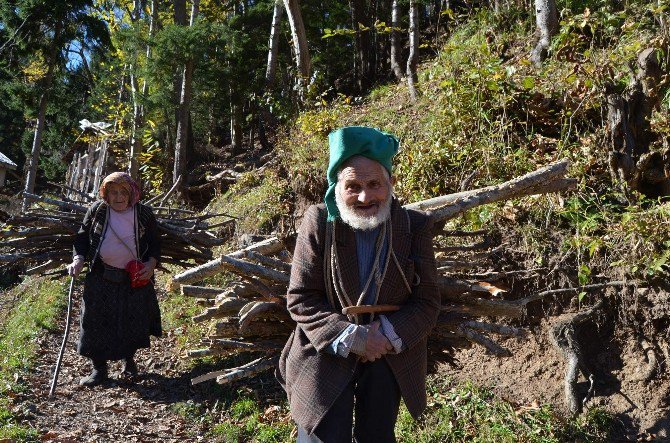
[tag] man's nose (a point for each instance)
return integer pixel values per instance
(363, 196)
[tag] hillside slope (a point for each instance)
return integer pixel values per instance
(486, 114)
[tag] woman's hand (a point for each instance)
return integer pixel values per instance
(74, 268)
(148, 270)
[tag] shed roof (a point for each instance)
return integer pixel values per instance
(6, 162)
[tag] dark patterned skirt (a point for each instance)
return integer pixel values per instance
(116, 319)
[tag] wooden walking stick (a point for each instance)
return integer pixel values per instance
(62, 346)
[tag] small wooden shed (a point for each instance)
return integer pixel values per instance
(5, 164)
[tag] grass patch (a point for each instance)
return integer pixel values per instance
(256, 200)
(467, 413)
(38, 306)
(245, 421)
(456, 413)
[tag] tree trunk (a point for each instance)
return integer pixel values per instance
(41, 116)
(273, 47)
(138, 103)
(395, 41)
(359, 21)
(180, 159)
(630, 132)
(179, 7)
(179, 12)
(413, 58)
(547, 25)
(302, 58)
(235, 122)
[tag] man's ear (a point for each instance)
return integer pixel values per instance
(394, 179)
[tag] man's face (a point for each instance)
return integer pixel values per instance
(117, 197)
(363, 193)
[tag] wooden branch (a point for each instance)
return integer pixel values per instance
(269, 261)
(258, 310)
(449, 206)
(153, 199)
(227, 175)
(459, 233)
(229, 347)
(227, 262)
(226, 307)
(88, 197)
(200, 291)
(237, 289)
(481, 307)
(229, 328)
(60, 204)
(248, 370)
(481, 339)
(575, 290)
(174, 187)
(509, 331)
(452, 265)
(459, 248)
(261, 287)
(267, 247)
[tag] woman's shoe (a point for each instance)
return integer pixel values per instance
(97, 376)
(129, 367)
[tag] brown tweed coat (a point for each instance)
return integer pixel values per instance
(313, 378)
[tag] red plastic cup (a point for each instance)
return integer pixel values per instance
(133, 268)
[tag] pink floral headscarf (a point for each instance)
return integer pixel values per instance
(123, 179)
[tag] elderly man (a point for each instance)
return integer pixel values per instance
(364, 295)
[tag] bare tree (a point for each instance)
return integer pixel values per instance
(273, 46)
(395, 41)
(41, 116)
(362, 26)
(184, 110)
(138, 99)
(302, 58)
(547, 26)
(413, 58)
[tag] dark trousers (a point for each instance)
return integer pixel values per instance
(372, 397)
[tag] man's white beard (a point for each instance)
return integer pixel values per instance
(362, 222)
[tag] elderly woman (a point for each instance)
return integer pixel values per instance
(120, 309)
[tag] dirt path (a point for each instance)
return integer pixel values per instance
(128, 410)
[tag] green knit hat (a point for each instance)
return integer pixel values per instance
(346, 142)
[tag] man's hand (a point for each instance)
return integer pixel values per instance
(148, 270)
(74, 268)
(377, 344)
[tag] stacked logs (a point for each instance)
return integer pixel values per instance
(40, 240)
(251, 314)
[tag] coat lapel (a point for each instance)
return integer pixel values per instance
(345, 241)
(401, 247)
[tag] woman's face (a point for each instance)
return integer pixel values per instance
(117, 197)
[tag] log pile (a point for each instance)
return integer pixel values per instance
(40, 240)
(251, 314)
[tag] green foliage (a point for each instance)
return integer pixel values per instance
(256, 200)
(456, 413)
(37, 309)
(176, 314)
(467, 413)
(248, 423)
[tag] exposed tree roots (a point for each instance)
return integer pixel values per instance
(563, 334)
